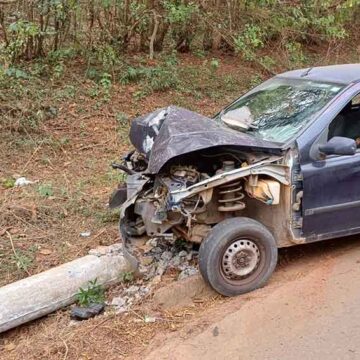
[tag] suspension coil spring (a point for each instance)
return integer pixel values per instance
(230, 197)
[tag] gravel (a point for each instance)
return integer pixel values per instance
(159, 256)
(189, 271)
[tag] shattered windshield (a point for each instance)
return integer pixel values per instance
(277, 109)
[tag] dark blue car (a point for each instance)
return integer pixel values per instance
(277, 167)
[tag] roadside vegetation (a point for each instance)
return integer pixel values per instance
(56, 50)
(74, 73)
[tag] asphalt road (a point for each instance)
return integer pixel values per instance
(310, 310)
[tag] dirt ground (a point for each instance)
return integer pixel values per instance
(308, 311)
(68, 157)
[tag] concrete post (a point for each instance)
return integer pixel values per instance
(41, 294)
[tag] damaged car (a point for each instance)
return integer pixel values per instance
(277, 167)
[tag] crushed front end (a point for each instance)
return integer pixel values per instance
(188, 173)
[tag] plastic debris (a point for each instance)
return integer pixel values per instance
(149, 319)
(85, 233)
(84, 313)
(23, 181)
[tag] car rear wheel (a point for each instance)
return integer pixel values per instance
(238, 255)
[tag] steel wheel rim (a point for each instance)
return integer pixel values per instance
(240, 259)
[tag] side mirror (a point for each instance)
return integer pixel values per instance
(339, 145)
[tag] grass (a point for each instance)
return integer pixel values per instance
(8, 183)
(45, 190)
(92, 294)
(23, 260)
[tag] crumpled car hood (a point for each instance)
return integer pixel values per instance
(173, 131)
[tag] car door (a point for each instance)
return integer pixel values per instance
(331, 196)
(331, 200)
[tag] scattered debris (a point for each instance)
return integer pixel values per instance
(23, 181)
(106, 250)
(51, 111)
(152, 242)
(120, 305)
(132, 290)
(188, 272)
(45, 252)
(84, 313)
(165, 256)
(118, 302)
(149, 319)
(156, 259)
(129, 296)
(85, 234)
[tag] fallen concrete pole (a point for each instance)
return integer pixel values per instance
(41, 294)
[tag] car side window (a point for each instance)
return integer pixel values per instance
(347, 122)
(356, 100)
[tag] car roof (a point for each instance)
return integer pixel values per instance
(341, 74)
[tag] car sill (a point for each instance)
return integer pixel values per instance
(325, 209)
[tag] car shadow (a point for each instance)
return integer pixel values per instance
(317, 250)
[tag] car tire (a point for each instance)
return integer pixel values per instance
(237, 256)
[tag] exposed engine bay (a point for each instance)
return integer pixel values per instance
(180, 187)
(234, 197)
(186, 200)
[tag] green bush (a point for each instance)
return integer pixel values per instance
(101, 31)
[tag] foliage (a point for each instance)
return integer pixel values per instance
(8, 183)
(46, 40)
(101, 31)
(16, 73)
(24, 258)
(94, 293)
(126, 277)
(23, 261)
(162, 77)
(21, 31)
(251, 38)
(46, 190)
(181, 17)
(105, 83)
